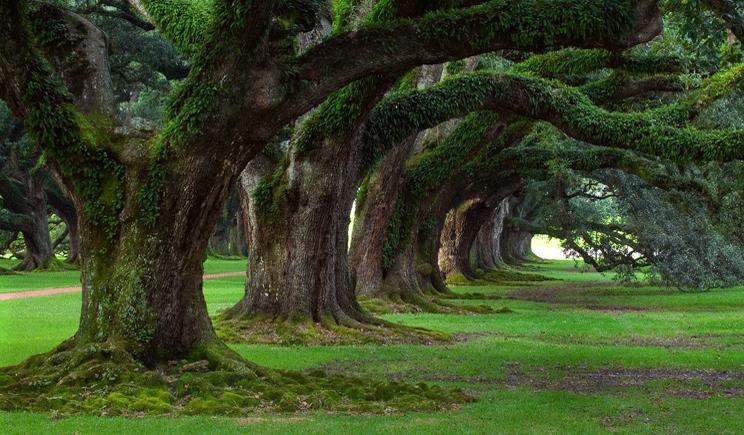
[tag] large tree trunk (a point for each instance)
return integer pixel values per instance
(299, 231)
(39, 252)
(515, 244)
(142, 287)
(460, 231)
(33, 204)
(374, 208)
(461, 252)
(228, 238)
(414, 271)
(64, 208)
(298, 261)
(487, 252)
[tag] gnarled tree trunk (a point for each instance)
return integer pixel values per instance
(64, 208)
(415, 270)
(374, 208)
(142, 286)
(228, 238)
(26, 200)
(515, 244)
(487, 251)
(460, 231)
(298, 261)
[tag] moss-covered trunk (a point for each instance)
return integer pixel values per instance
(142, 284)
(144, 292)
(487, 250)
(298, 241)
(39, 252)
(374, 209)
(32, 204)
(515, 244)
(458, 237)
(228, 238)
(415, 271)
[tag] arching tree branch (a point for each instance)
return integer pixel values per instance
(731, 14)
(512, 24)
(653, 132)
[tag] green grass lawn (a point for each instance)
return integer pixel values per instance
(45, 280)
(579, 355)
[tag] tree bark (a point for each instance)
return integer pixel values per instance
(515, 243)
(487, 251)
(415, 269)
(372, 217)
(39, 252)
(25, 197)
(228, 238)
(64, 208)
(298, 261)
(142, 287)
(461, 228)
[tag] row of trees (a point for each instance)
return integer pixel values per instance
(38, 221)
(312, 107)
(28, 197)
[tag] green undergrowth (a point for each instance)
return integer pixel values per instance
(46, 279)
(641, 360)
(498, 276)
(436, 303)
(261, 330)
(57, 265)
(103, 379)
(52, 265)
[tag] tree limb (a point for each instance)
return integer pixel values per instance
(730, 13)
(436, 38)
(567, 108)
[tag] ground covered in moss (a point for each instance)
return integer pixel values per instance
(577, 354)
(281, 332)
(101, 379)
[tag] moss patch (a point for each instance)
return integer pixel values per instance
(426, 304)
(307, 333)
(103, 379)
(500, 276)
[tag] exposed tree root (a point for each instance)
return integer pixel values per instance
(497, 276)
(420, 304)
(327, 332)
(104, 379)
(52, 265)
(472, 296)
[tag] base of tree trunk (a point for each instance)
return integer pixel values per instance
(439, 304)
(51, 265)
(282, 331)
(504, 276)
(411, 287)
(104, 379)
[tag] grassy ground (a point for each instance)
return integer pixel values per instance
(43, 280)
(579, 355)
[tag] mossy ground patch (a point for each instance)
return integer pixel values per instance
(103, 379)
(290, 332)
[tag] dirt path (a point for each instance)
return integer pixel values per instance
(63, 290)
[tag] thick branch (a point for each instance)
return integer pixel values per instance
(511, 24)
(122, 10)
(731, 14)
(80, 56)
(568, 109)
(10, 221)
(183, 22)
